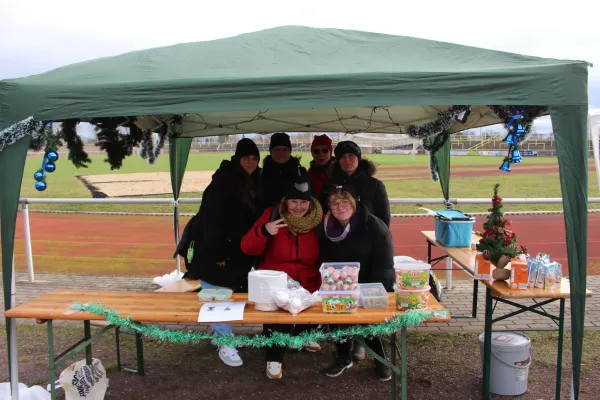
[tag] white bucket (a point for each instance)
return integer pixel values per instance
(510, 361)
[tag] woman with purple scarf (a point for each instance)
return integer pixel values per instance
(350, 233)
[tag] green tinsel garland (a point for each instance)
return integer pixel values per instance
(401, 320)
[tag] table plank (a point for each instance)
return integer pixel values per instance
(465, 258)
(184, 307)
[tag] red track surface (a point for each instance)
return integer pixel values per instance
(142, 245)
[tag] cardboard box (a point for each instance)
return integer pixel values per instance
(483, 267)
(519, 274)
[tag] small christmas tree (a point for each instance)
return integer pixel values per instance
(497, 240)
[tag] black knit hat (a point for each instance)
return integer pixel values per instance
(332, 188)
(246, 147)
(300, 189)
(280, 139)
(345, 147)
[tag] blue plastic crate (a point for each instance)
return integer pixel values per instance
(453, 228)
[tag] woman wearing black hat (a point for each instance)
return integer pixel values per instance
(288, 242)
(351, 169)
(279, 169)
(230, 205)
(350, 233)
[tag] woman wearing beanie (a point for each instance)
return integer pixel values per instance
(351, 169)
(230, 205)
(288, 241)
(279, 169)
(350, 233)
(321, 151)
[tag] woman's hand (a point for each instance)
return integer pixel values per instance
(273, 227)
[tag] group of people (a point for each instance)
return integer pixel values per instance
(285, 218)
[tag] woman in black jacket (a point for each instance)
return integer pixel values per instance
(351, 169)
(230, 205)
(350, 233)
(280, 170)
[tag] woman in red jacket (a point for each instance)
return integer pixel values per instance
(288, 243)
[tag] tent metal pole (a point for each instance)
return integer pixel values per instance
(176, 207)
(14, 359)
(27, 238)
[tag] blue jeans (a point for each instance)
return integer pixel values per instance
(219, 329)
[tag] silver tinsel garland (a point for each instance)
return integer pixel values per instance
(18, 131)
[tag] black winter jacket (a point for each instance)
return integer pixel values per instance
(227, 212)
(371, 191)
(276, 179)
(368, 242)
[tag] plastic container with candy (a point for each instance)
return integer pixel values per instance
(373, 295)
(339, 276)
(412, 275)
(207, 294)
(340, 301)
(411, 299)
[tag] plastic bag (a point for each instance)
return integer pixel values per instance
(295, 298)
(25, 393)
(81, 381)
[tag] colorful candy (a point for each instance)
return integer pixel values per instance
(339, 276)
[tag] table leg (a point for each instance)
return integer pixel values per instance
(561, 326)
(140, 353)
(87, 334)
(428, 252)
(487, 344)
(118, 346)
(393, 360)
(51, 366)
(403, 352)
(475, 294)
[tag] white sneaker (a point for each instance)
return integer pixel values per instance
(230, 356)
(312, 347)
(274, 370)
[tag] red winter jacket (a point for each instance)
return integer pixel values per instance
(297, 256)
(319, 176)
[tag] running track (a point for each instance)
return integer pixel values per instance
(99, 244)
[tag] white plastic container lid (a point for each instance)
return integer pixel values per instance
(508, 342)
(412, 265)
(419, 290)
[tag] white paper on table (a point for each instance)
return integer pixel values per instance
(220, 312)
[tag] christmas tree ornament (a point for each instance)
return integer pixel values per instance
(50, 167)
(39, 176)
(511, 139)
(505, 166)
(515, 156)
(40, 186)
(52, 156)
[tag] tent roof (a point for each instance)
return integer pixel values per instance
(292, 68)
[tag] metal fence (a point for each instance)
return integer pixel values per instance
(421, 201)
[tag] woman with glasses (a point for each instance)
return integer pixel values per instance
(351, 169)
(350, 233)
(321, 151)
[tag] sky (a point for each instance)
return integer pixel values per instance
(40, 35)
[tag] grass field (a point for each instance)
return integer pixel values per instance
(64, 183)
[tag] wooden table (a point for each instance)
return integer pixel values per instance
(499, 291)
(185, 307)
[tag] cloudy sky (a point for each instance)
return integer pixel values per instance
(39, 35)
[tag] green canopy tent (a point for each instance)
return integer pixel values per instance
(305, 79)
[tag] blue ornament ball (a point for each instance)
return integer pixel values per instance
(52, 156)
(40, 186)
(50, 167)
(38, 176)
